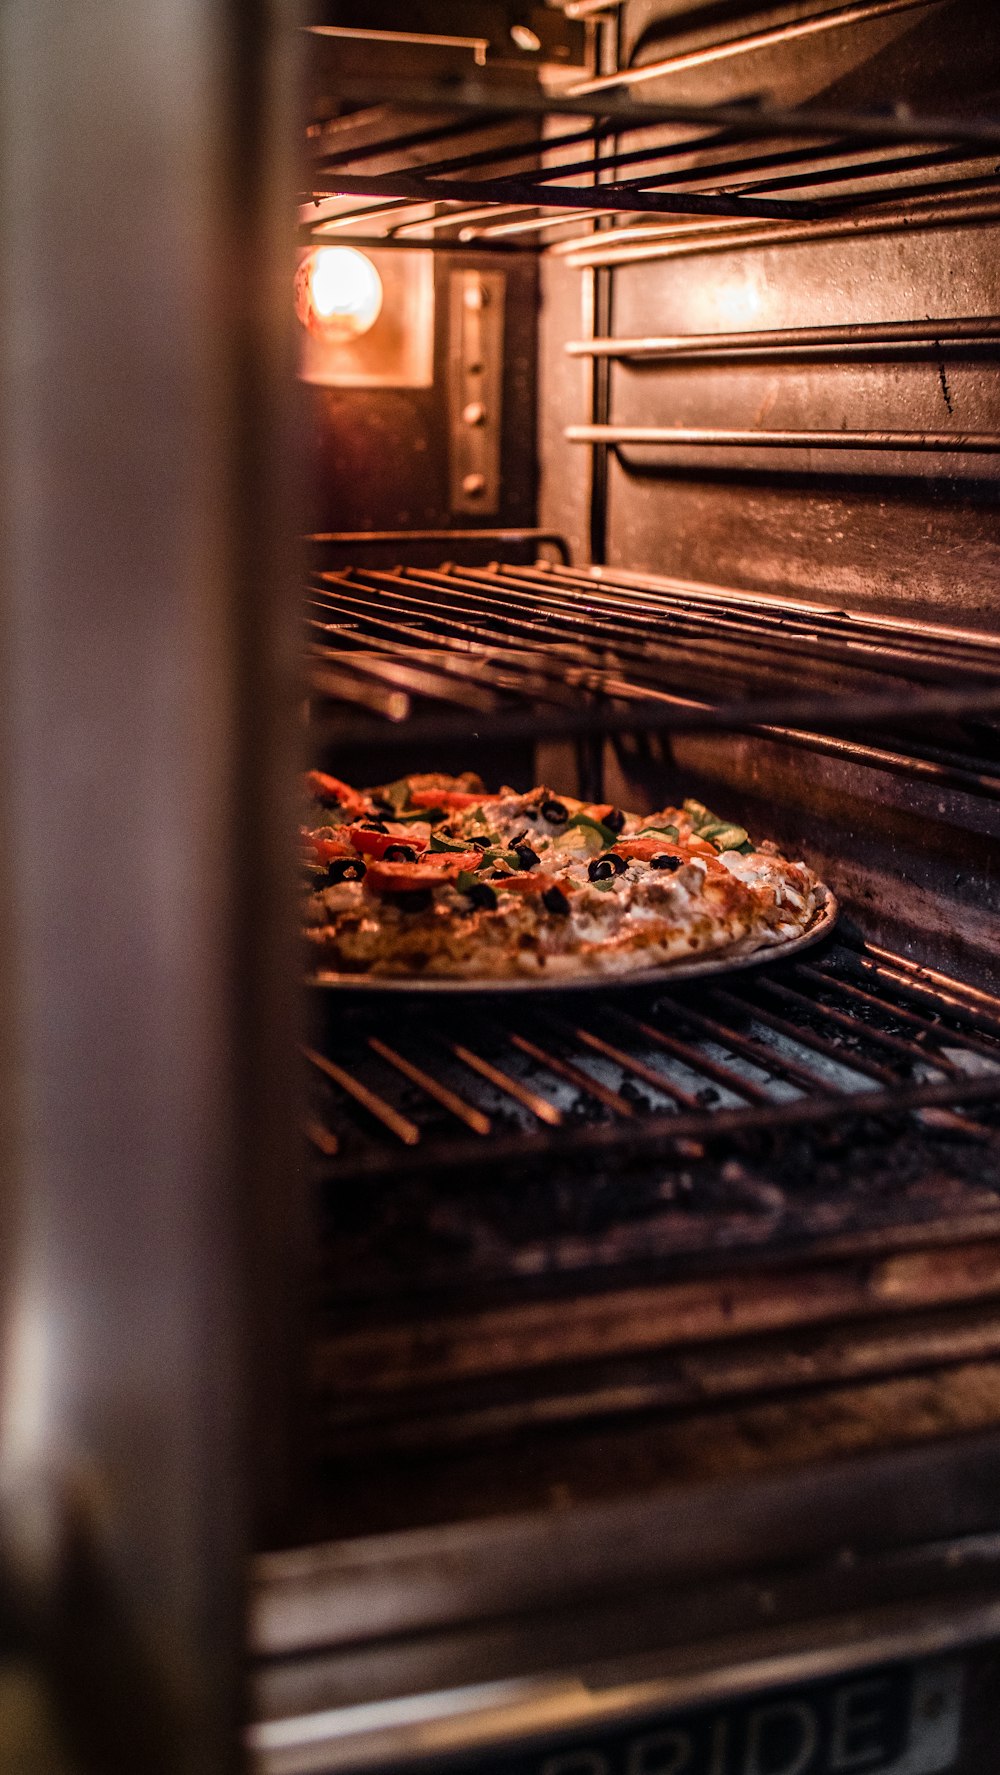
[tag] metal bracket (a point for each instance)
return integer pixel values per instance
(475, 389)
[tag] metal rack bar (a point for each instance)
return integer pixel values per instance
(971, 443)
(902, 336)
(629, 1063)
(693, 1058)
(556, 649)
(449, 1100)
(640, 632)
(893, 1044)
(631, 246)
(768, 38)
(573, 1075)
(606, 591)
(505, 536)
(635, 1030)
(415, 186)
(404, 1129)
(532, 1100)
(619, 114)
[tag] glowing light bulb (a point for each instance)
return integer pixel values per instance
(338, 293)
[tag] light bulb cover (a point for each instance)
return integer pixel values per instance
(338, 293)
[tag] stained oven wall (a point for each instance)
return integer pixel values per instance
(917, 536)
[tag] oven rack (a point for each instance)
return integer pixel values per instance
(512, 162)
(852, 1045)
(537, 651)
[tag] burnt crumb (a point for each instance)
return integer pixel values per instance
(634, 1094)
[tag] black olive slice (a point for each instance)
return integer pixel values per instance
(526, 857)
(374, 826)
(481, 894)
(399, 853)
(345, 869)
(412, 900)
(665, 862)
(603, 868)
(478, 844)
(555, 812)
(555, 901)
(614, 821)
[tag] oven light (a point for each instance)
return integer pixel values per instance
(338, 293)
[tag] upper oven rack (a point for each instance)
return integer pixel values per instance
(499, 164)
(545, 650)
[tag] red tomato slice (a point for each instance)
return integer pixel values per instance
(431, 870)
(375, 844)
(454, 799)
(327, 788)
(527, 881)
(658, 845)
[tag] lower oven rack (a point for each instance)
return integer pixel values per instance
(659, 1210)
(851, 1038)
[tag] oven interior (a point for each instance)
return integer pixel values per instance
(643, 1318)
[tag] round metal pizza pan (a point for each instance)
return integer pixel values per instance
(696, 969)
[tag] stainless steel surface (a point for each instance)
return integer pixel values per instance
(707, 965)
(566, 1710)
(147, 676)
(903, 336)
(965, 443)
(477, 303)
(363, 1590)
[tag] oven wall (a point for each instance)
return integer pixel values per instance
(911, 535)
(914, 535)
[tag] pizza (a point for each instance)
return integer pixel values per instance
(435, 877)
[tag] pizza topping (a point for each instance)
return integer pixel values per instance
(480, 895)
(607, 867)
(720, 833)
(454, 845)
(376, 839)
(419, 899)
(587, 825)
(434, 875)
(429, 871)
(345, 869)
(326, 844)
(450, 800)
(331, 792)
